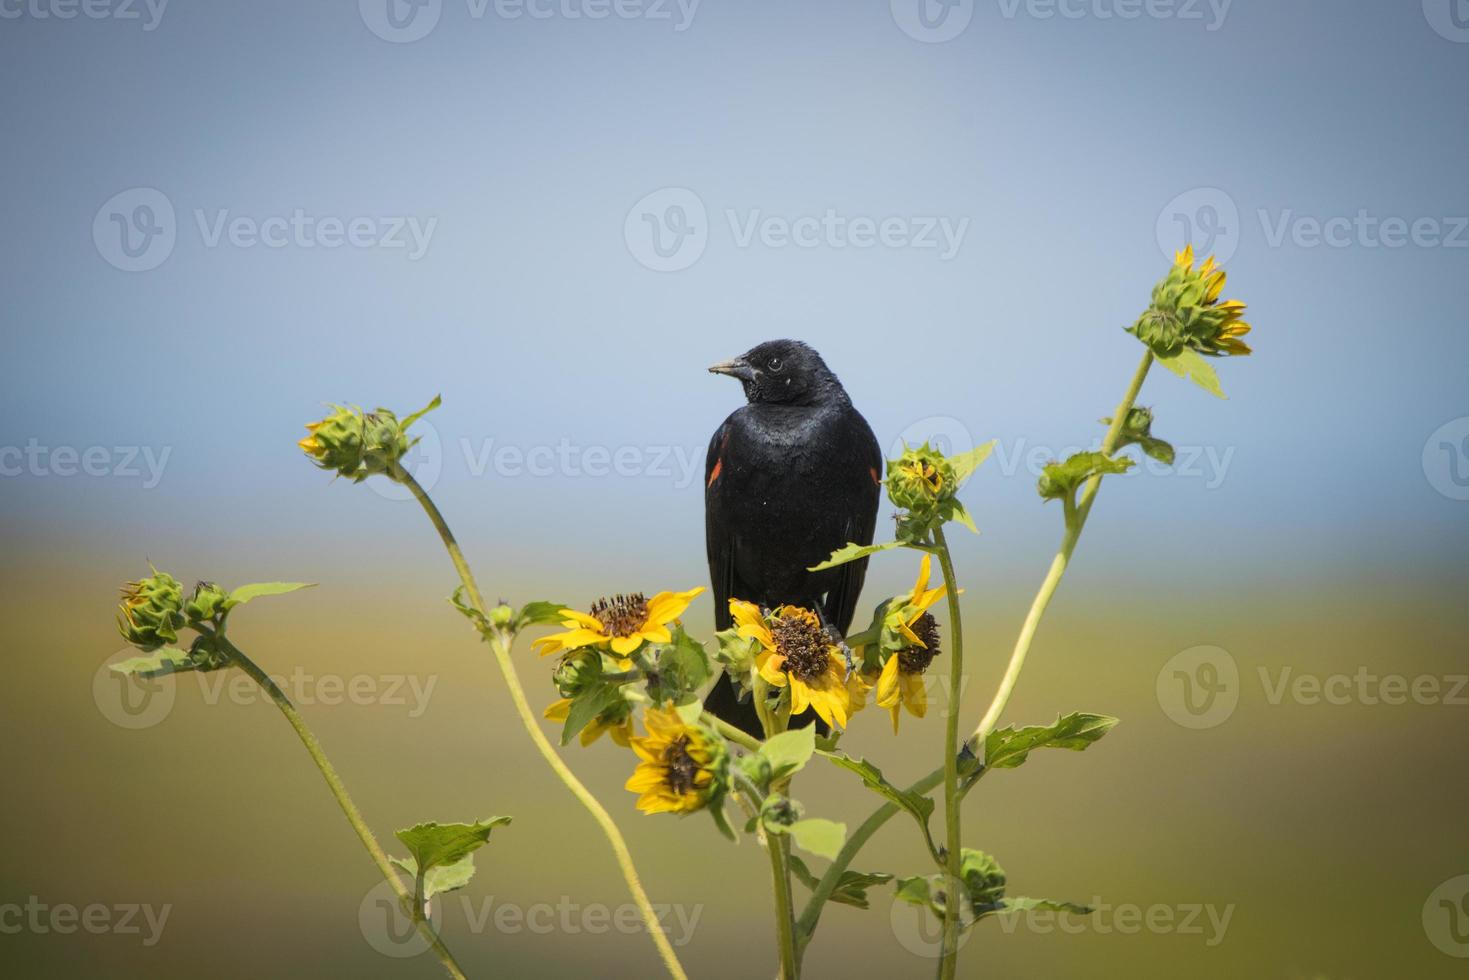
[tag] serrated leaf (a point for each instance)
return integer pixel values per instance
(245, 593)
(435, 844)
(444, 878)
(821, 837)
(1192, 366)
(851, 552)
(1007, 748)
(1042, 905)
(967, 462)
(168, 660)
(789, 751)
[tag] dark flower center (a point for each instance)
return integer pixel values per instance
(915, 660)
(804, 646)
(679, 768)
(622, 615)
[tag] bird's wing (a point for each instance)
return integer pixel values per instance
(841, 600)
(717, 540)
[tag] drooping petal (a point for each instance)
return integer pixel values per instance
(557, 710)
(887, 683)
(624, 645)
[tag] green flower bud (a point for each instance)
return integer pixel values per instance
(1137, 430)
(207, 603)
(151, 612)
(577, 672)
(921, 479)
(358, 444)
(501, 615)
(1186, 313)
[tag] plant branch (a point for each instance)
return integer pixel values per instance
(500, 642)
(344, 800)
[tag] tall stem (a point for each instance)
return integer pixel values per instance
(952, 801)
(811, 915)
(1075, 522)
(344, 800)
(500, 645)
(785, 923)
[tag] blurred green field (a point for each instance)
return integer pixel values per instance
(1291, 841)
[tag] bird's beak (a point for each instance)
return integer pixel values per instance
(737, 368)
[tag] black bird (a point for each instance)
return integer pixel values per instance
(790, 477)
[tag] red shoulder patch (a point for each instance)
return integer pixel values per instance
(714, 473)
(875, 478)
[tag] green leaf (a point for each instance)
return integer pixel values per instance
(851, 552)
(168, 660)
(1191, 365)
(1042, 905)
(422, 412)
(444, 878)
(966, 463)
(824, 838)
(921, 807)
(851, 887)
(1007, 748)
(586, 706)
(539, 613)
(683, 667)
(1060, 480)
(918, 806)
(960, 515)
(245, 593)
(789, 751)
(434, 845)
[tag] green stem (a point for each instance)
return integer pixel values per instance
(737, 735)
(500, 644)
(952, 800)
(785, 929)
(344, 800)
(811, 915)
(1075, 522)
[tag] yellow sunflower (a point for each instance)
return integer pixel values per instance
(603, 724)
(680, 767)
(795, 650)
(622, 623)
(900, 685)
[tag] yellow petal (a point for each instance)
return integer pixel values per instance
(665, 607)
(655, 634)
(887, 683)
(623, 645)
(925, 567)
(557, 710)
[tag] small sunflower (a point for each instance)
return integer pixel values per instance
(682, 765)
(796, 650)
(908, 622)
(607, 723)
(622, 623)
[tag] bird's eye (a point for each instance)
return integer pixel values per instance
(775, 364)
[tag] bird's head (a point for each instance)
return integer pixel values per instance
(782, 372)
